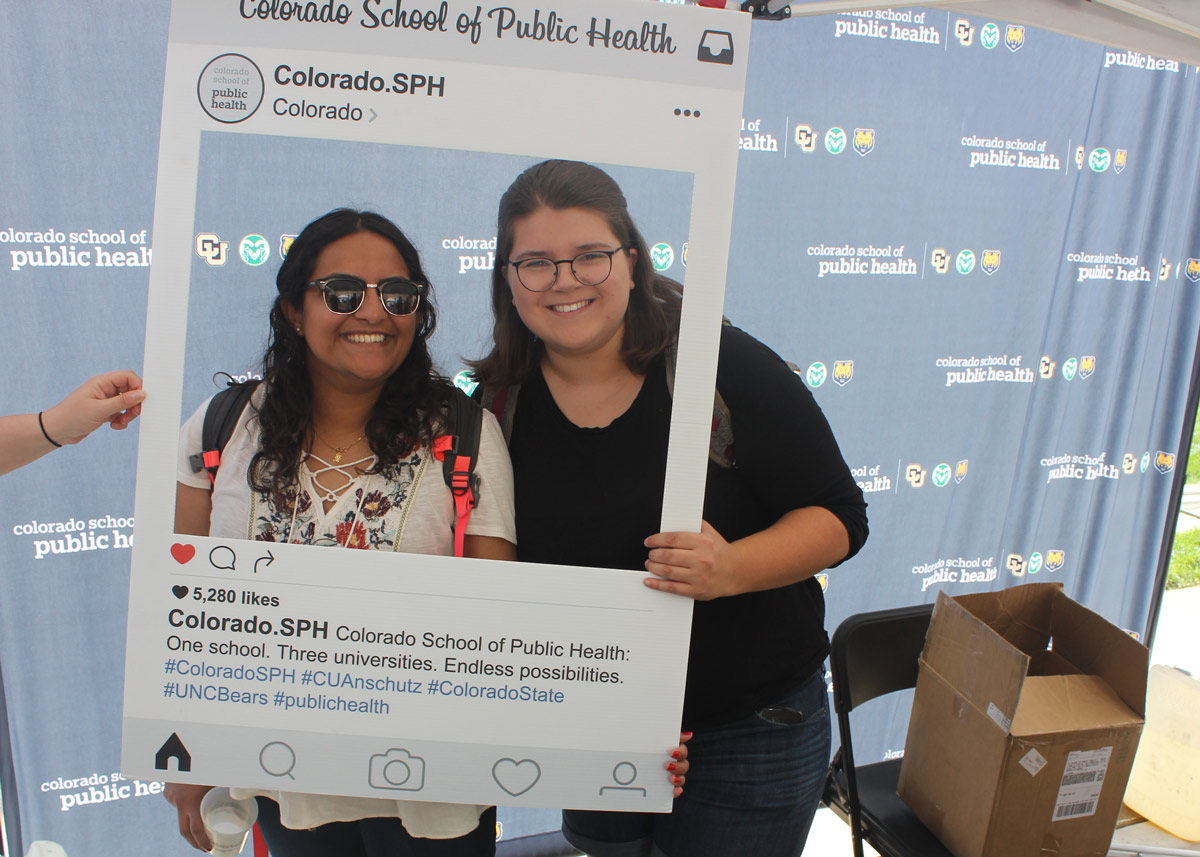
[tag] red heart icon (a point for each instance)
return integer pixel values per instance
(183, 553)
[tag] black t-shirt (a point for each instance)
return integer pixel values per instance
(590, 496)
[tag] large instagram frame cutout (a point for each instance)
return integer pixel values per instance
(347, 689)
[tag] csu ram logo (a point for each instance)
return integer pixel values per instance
(843, 371)
(864, 140)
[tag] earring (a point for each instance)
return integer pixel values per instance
(299, 332)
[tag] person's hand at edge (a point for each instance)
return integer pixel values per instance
(186, 798)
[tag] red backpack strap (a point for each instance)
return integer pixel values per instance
(459, 452)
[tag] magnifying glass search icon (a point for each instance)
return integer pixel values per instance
(277, 759)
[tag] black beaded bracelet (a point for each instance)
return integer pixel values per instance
(42, 426)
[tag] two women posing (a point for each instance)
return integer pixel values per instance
(584, 330)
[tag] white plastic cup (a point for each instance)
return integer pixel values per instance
(227, 821)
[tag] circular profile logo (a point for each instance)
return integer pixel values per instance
(965, 262)
(816, 375)
(989, 36)
(941, 475)
(1068, 368)
(254, 250)
(835, 140)
(1035, 562)
(663, 256)
(1145, 461)
(1099, 160)
(230, 88)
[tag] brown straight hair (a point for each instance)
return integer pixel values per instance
(652, 318)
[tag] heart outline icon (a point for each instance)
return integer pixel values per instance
(183, 553)
(516, 777)
(180, 592)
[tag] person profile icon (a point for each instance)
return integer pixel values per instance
(624, 773)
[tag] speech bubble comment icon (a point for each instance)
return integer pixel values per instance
(223, 557)
(277, 759)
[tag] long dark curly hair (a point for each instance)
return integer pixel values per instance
(412, 405)
(652, 317)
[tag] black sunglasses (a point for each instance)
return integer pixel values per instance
(344, 294)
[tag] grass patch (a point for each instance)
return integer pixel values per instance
(1184, 570)
(1193, 465)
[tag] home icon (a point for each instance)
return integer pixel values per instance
(173, 748)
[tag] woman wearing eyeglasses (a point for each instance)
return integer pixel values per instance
(583, 326)
(335, 450)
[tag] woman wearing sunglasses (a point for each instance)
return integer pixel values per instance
(334, 450)
(582, 330)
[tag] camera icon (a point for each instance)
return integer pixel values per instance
(397, 769)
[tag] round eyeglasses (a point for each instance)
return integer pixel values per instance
(591, 268)
(344, 294)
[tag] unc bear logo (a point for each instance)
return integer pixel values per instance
(864, 140)
(843, 371)
(1014, 37)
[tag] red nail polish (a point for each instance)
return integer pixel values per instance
(670, 766)
(676, 780)
(674, 754)
(687, 735)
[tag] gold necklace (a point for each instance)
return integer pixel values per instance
(338, 450)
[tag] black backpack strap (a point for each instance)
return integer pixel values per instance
(502, 402)
(220, 420)
(459, 452)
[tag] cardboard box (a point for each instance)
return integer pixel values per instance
(1024, 725)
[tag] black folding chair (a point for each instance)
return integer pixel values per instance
(875, 654)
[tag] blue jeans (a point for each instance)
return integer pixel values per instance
(753, 788)
(370, 837)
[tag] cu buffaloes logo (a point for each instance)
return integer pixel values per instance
(964, 32)
(940, 260)
(211, 249)
(1015, 563)
(1192, 270)
(864, 140)
(843, 372)
(806, 138)
(1164, 462)
(989, 263)
(1014, 37)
